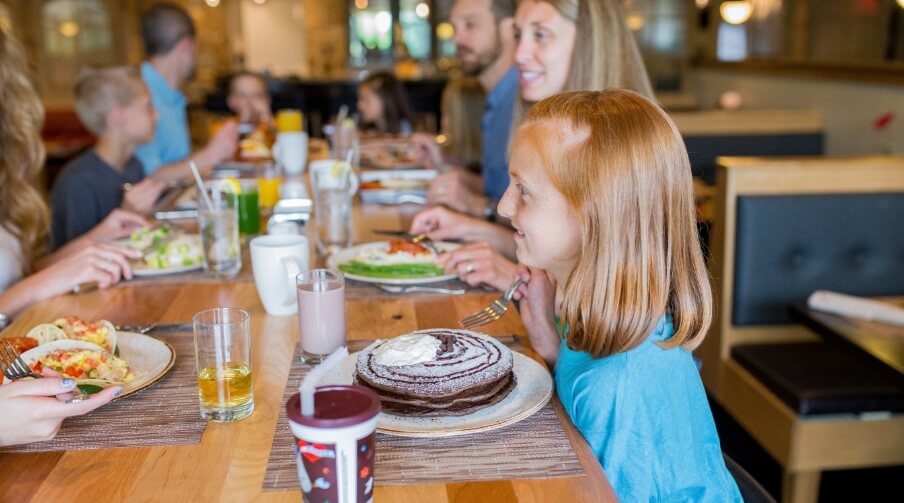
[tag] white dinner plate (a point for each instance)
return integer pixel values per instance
(149, 359)
(349, 254)
(141, 269)
(532, 390)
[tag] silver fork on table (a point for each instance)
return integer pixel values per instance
(415, 288)
(14, 368)
(492, 312)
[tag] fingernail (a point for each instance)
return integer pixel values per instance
(68, 383)
(117, 392)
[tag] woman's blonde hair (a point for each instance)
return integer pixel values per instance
(625, 171)
(23, 212)
(605, 54)
(463, 101)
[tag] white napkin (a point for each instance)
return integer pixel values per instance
(856, 307)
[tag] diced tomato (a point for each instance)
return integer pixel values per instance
(22, 344)
(69, 371)
(400, 246)
(37, 367)
(91, 362)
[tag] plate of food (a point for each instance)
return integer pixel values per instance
(97, 355)
(445, 382)
(168, 253)
(389, 154)
(394, 262)
(388, 187)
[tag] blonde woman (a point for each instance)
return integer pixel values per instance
(562, 45)
(602, 203)
(33, 410)
(26, 274)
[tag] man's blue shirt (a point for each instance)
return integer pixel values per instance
(171, 141)
(496, 125)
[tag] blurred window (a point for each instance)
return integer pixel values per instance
(73, 27)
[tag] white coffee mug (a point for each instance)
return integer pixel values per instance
(291, 151)
(323, 171)
(276, 260)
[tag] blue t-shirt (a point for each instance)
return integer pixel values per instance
(496, 125)
(645, 415)
(171, 141)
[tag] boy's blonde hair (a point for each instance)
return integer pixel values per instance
(624, 169)
(97, 91)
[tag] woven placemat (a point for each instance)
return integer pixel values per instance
(166, 413)
(533, 448)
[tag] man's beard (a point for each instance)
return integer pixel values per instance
(484, 60)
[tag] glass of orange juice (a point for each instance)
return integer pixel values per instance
(268, 183)
(289, 119)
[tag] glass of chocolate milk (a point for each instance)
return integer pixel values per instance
(321, 313)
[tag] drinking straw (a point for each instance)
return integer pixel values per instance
(309, 383)
(204, 196)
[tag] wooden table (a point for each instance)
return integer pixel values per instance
(880, 340)
(230, 461)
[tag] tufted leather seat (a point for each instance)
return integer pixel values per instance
(784, 228)
(790, 245)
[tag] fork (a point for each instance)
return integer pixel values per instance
(492, 312)
(14, 368)
(430, 289)
(425, 242)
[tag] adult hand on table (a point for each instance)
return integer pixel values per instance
(33, 410)
(479, 263)
(537, 294)
(103, 263)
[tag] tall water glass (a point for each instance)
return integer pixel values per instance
(321, 313)
(219, 227)
(223, 361)
(333, 210)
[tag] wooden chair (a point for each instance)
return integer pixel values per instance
(803, 445)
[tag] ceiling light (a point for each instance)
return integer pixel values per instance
(68, 29)
(736, 12)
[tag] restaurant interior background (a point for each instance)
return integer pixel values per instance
(825, 75)
(842, 59)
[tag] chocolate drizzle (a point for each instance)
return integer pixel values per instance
(470, 371)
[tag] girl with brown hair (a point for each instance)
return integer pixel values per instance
(602, 205)
(383, 105)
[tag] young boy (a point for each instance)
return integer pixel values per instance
(115, 105)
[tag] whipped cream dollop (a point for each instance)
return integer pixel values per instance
(407, 350)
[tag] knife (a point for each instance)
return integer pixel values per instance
(401, 234)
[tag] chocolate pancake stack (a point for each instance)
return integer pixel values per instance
(470, 371)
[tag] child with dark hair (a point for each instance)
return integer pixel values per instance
(383, 105)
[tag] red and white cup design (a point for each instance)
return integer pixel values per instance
(334, 448)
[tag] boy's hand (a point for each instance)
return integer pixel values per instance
(222, 145)
(141, 198)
